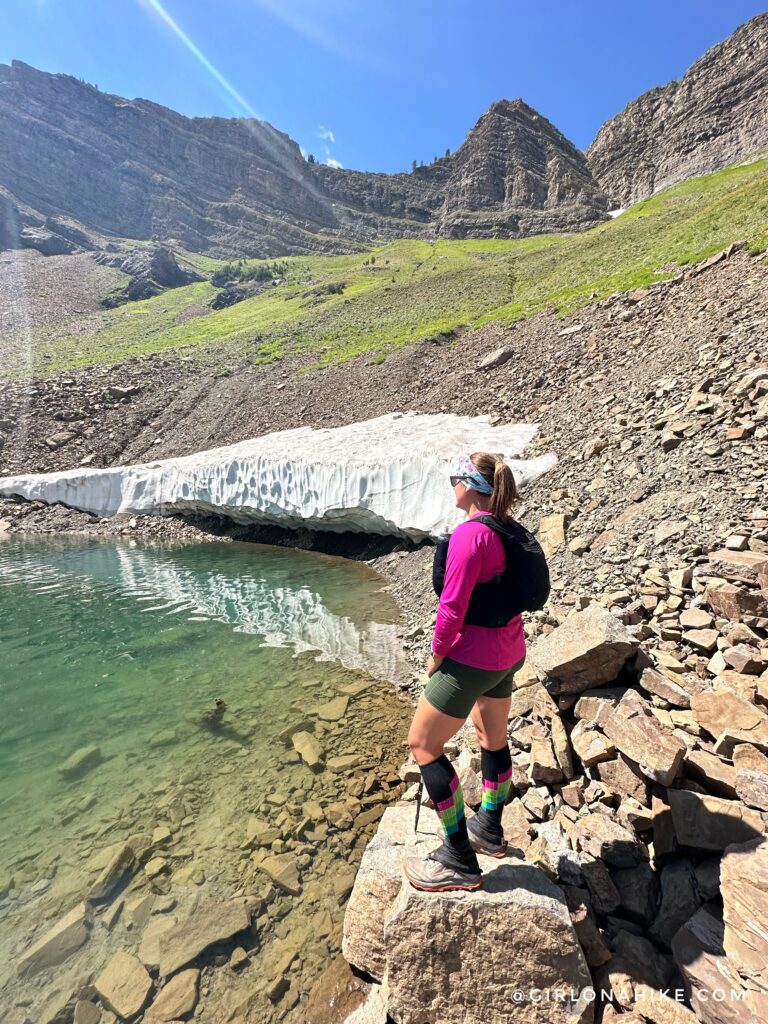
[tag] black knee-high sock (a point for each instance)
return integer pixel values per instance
(496, 766)
(443, 785)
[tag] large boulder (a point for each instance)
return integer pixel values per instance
(587, 650)
(711, 823)
(459, 957)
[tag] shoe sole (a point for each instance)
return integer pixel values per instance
(446, 888)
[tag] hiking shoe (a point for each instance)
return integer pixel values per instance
(430, 875)
(482, 840)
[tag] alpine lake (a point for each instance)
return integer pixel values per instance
(132, 800)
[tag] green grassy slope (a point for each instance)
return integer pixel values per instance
(407, 290)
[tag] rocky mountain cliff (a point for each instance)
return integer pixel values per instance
(234, 187)
(717, 113)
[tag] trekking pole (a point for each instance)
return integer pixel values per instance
(418, 805)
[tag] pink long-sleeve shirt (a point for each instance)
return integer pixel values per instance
(475, 555)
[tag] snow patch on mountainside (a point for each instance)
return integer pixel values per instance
(387, 475)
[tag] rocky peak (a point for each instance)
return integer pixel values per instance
(716, 114)
(517, 161)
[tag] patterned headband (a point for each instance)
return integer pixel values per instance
(472, 476)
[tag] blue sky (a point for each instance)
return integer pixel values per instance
(372, 84)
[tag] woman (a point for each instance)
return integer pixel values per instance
(471, 671)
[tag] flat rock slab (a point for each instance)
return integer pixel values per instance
(333, 710)
(587, 650)
(59, 942)
(717, 709)
(177, 1000)
(210, 923)
(711, 823)
(514, 934)
(639, 735)
(744, 885)
(124, 986)
(309, 749)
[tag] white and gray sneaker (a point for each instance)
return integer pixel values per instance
(429, 875)
(482, 840)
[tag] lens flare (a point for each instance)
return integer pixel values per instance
(157, 7)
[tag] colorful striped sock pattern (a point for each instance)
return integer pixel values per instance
(451, 810)
(443, 785)
(496, 791)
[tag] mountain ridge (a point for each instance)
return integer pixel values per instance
(715, 114)
(232, 187)
(82, 169)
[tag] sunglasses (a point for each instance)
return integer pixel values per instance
(458, 480)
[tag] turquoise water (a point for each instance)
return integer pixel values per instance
(124, 646)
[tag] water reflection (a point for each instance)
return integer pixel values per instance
(287, 598)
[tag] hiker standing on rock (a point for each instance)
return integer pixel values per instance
(491, 569)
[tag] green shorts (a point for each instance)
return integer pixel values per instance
(454, 688)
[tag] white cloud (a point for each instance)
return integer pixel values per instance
(331, 161)
(324, 133)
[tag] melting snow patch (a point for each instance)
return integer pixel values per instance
(386, 475)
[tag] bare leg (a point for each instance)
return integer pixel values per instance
(489, 717)
(430, 731)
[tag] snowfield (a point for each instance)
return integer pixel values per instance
(387, 475)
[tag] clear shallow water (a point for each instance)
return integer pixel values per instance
(124, 646)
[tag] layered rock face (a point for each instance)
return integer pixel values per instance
(717, 113)
(239, 187)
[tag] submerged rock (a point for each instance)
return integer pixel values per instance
(210, 923)
(59, 943)
(81, 762)
(124, 985)
(176, 1000)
